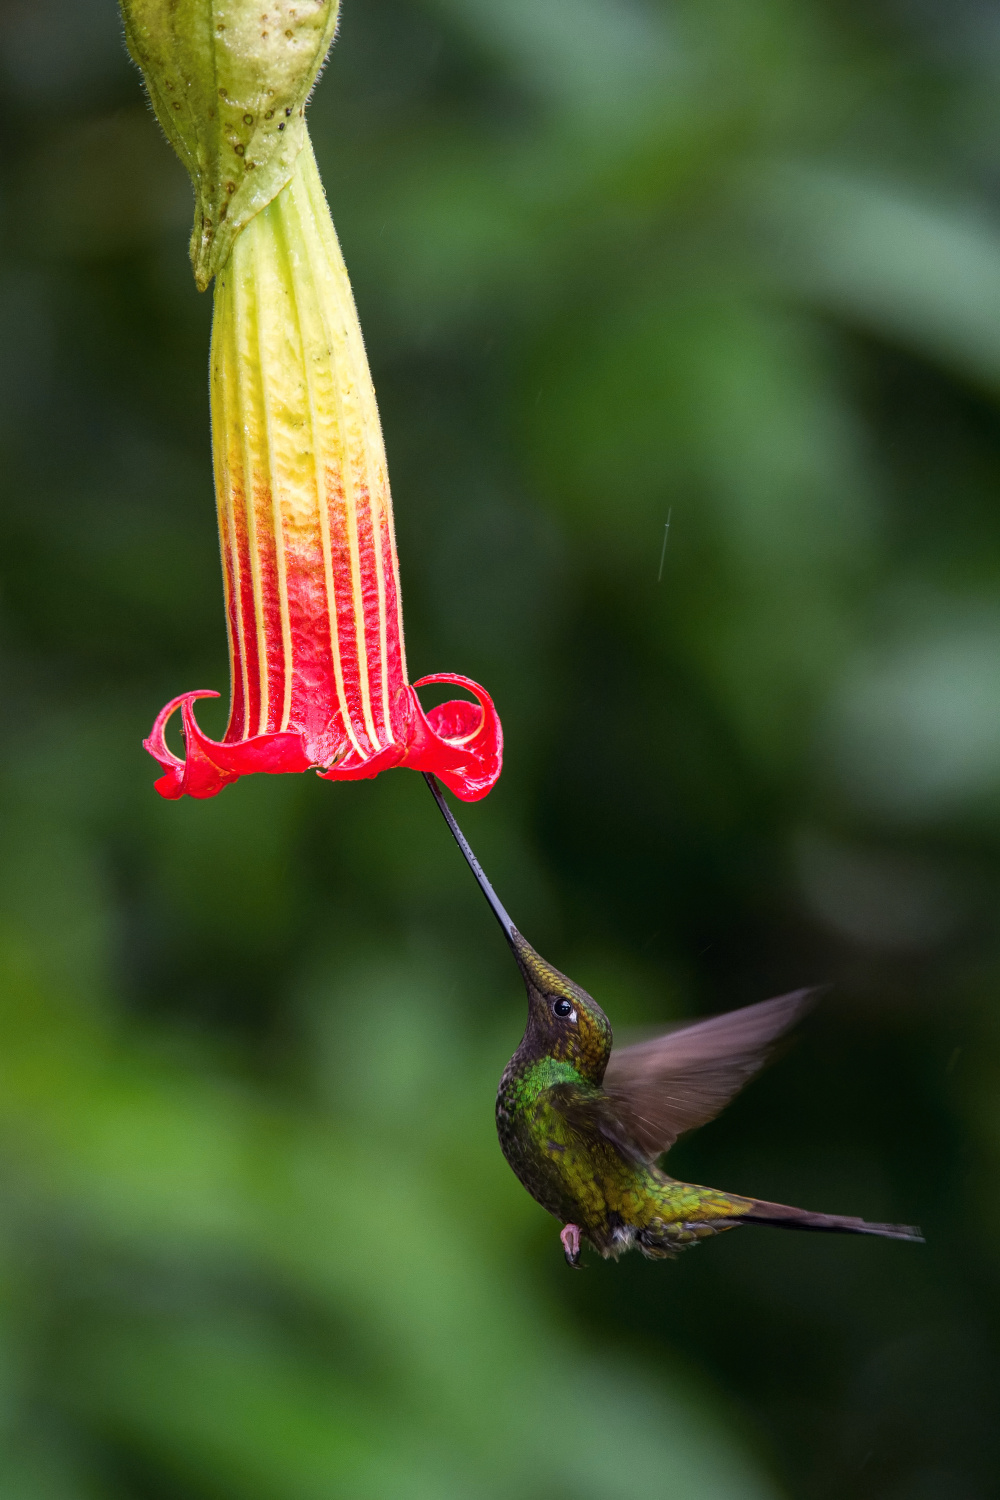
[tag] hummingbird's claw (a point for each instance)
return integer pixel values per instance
(570, 1236)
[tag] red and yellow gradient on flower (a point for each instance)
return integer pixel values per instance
(305, 522)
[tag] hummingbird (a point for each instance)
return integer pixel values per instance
(584, 1124)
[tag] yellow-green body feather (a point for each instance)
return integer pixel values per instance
(619, 1201)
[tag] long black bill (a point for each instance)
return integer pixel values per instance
(496, 906)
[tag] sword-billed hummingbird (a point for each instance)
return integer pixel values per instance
(584, 1124)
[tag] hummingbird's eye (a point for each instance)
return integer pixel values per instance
(563, 1008)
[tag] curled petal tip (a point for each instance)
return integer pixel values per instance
(462, 743)
(209, 764)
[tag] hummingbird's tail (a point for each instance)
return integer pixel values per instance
(683, 1213)
(780, 1216)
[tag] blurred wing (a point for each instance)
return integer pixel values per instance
(592, 1113)
(661, 1088)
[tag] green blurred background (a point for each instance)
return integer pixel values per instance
(735, 264)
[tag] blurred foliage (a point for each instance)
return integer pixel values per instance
(618, 262)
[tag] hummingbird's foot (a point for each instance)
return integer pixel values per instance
(570, 1236)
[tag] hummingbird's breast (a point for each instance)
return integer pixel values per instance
(574, 1179)
(526, 1155)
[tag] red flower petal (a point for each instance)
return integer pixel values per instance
(461, 742)
(209, 765)
(464, 741)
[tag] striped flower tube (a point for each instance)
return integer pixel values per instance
(305, 523)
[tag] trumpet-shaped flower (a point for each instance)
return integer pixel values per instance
(305, 523)
(318, 667)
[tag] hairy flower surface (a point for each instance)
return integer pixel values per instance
(305, 523)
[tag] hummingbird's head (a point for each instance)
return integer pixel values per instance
(563, 1020)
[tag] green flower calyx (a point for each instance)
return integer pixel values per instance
(229, 80)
